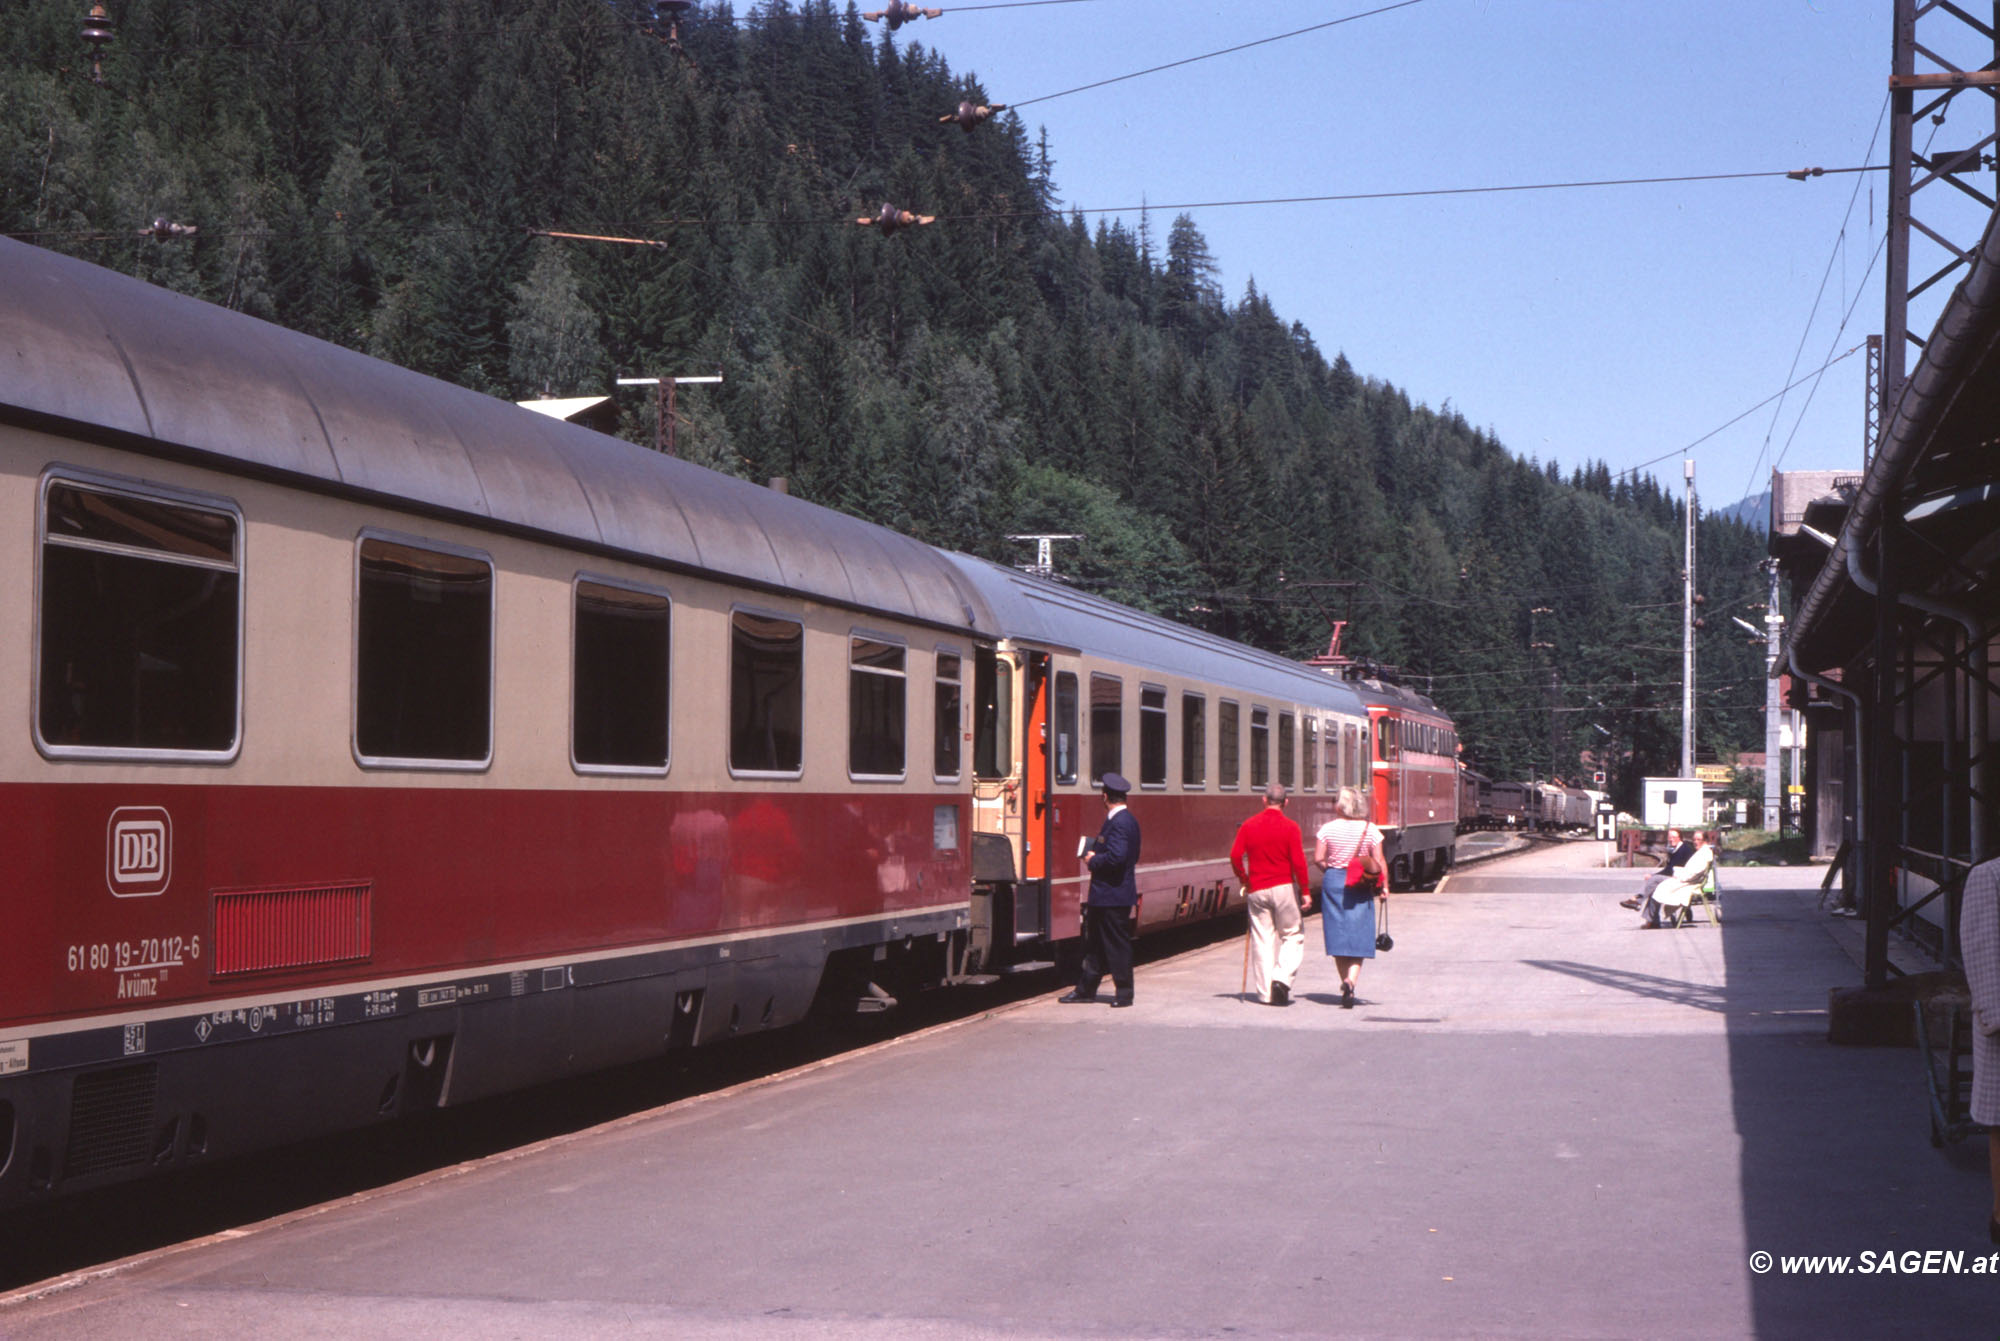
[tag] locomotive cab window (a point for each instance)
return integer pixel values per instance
(423, 659)
(619, 676)
(1107, 726)
(877, 691)
(1152, 736)
(947, 717)
(1194, 740)
(766, 694)
(139, 619)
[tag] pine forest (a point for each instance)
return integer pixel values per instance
(370, 172)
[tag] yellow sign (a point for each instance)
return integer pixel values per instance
(1719, 774)
(1796, 790)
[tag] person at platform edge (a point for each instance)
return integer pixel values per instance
(1109, 909)
(1979, 947)
(1269, 858)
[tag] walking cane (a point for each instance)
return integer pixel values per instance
(1245, 992)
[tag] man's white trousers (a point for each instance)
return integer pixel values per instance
(1277, 945)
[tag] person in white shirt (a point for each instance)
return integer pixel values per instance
(1679, 889)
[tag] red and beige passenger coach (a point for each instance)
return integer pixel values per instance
(368, 744)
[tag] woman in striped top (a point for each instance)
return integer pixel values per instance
(1350, 850)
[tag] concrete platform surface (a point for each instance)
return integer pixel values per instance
(1541, 1122)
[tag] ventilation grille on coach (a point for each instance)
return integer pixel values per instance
(110, 1119)
(258, 930)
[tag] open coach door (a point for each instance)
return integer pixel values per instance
(1013, 812)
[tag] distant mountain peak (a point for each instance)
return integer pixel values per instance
(1752, 511)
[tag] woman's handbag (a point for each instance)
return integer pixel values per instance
(1383, 940)
(1360, 877)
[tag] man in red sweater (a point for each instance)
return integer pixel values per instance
(1269, 858)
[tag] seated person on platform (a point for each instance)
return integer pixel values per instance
(1677, 856)
(1679, 889)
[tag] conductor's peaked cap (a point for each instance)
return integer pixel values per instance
(1114, 782)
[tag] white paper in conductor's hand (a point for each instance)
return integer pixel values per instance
(1083, 845)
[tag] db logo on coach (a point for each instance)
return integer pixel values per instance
(139, 852)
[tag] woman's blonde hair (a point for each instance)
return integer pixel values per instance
(1353, 803)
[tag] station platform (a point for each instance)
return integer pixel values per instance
(1540, 1121)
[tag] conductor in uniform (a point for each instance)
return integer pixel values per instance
(1112, 904)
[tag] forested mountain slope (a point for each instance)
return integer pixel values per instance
(368, 171)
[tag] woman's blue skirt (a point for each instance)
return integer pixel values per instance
(1347, 917)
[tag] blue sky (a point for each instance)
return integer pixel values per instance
(1618, 323)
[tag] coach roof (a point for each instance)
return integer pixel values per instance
(1058, 616)
(86, 349)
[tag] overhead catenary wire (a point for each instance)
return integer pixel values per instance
(1850, 352)
(1211, 55)
(1013, 4)
(1839, 243)
(1880, 246)
(1859, 291)
(984, 216)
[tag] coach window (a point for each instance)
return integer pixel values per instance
(1260, 746)
(993, 714)
(140, 624)
(1107, 726)
(877, 689)
(1066, 722)
(1287, 734)
(1194, 740)
(766, 694)
(618, 688)
(1310, 755)
(948, 718)
(1152, 736)
(1228, 750)
(423, 657)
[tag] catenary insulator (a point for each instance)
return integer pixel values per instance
(98, 30)
(901, 12)
(891, 219)
(969, 116)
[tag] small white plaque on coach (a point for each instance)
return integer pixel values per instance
(13, 1056)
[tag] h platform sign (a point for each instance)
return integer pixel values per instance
(139, 852)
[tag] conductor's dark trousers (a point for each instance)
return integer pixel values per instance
(1107, 948)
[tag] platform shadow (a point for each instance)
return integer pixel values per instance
(1835, 1156)
(1700, 996)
